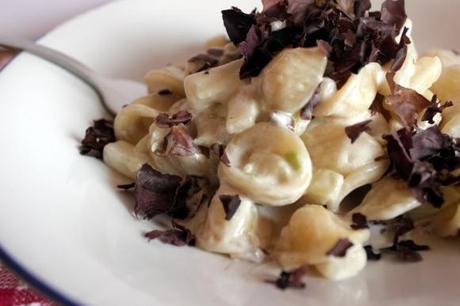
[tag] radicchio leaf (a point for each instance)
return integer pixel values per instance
(97, 137)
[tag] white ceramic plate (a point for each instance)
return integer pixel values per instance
(65, 228)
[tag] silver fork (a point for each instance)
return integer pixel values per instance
(113, 93)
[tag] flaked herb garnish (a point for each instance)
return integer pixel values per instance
(359, 221)
(292, 279)
(178, 236)
(424, 159)
(97, 137)
(408, 251)
(156, 193)
(178, 142)
(354, 131)
(371, 255)
(165, 120)
(434, 109)
(231, 203)
(346, 30)
(403, 250)
(340, 248)
(405, 103)
(212, 58)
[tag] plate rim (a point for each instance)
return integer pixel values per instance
(33, 280)
(7, 259)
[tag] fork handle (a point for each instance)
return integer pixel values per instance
(55, 57)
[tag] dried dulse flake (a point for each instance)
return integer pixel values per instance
(231, 203)
(354, 131)
(97, 137)
(165, 120)
(350, 34)
(291, 279)
(340, 248)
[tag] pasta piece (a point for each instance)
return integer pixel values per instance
(291, 78)
(325, 187)
(447, 57)
(447, 222)
(388, 199)
(214, 85)
(311, 233)
(211, 127)
(330, 148)
(452, 127)
(237, 236)
(169, 78)
(427, 72)
(340, 268)
(124, 158)
(161, 103)
(365, 175)
(447, 88)
(378, 127)
(417, 74)
(356, 96)
(192, 164)
(242, 111)
(404, 74)
(268, 164)
(132, 122)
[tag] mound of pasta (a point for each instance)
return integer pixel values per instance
(315, 136)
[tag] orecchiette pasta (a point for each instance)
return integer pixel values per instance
(124, 158)
(447, 57)
(290, 80)
(330, 148)
(133, 121)
(388, 199)
(214, 85)
(242, 111)
(237, 236)
(311, 233)
(356, 96)
(254, 139)
(447, 221)
(269, 172)
(169, 78)
(325, 187)
(337, 268)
